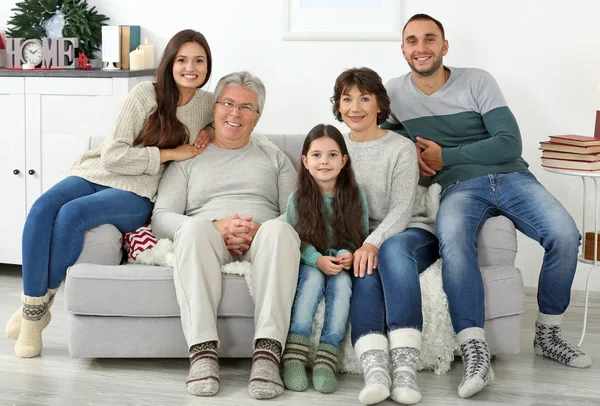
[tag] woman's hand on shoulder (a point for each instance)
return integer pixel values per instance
(180, 153)
(205, 137)
(345, 259)
(365, 259)
(329, 265)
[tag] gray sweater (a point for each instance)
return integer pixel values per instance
(255, 180)
(118, 163)
(387, 170)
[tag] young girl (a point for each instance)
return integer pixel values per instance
(330, 214)
(115, 183)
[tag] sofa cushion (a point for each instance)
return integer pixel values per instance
(497, 242)
(142, 291)
(102, 245)
(148, 291)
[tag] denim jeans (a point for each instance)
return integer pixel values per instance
(390, 298)
(465, 206)
(312, 285)
(56, 224)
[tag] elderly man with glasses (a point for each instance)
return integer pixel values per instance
(223, 206)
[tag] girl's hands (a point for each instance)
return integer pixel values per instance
(345, 259)
(329, 265)
(365, 259)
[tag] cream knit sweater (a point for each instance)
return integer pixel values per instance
(119, 164)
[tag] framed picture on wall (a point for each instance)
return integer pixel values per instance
(342, 20)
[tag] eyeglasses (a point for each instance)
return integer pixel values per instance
(245, 109)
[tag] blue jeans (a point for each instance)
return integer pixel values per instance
(464, 208)
(55, 227)
(312, 285)
(390, 298)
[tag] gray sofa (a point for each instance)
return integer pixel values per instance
(131, 311)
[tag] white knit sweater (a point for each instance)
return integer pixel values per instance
(119, 164)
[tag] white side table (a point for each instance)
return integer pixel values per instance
(595, 176)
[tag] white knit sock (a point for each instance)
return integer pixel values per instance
(29, 343)
(476, 360)
(405, 348)
(549, 343)
(372, 353)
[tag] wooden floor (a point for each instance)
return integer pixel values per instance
(56, 379)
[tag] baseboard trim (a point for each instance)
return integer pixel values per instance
(577, 297)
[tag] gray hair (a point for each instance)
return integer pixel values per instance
(245, 80)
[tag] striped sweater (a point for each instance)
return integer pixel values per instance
(468, 117)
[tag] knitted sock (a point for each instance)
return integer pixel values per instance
(476, 360)
(549, 343)
(372, 353)
(324, 368)
(203, 378)
(265, 382)
(405, 348)
(13, 327)
(294, 358)
(29, 343)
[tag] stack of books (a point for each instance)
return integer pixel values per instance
(577, 152)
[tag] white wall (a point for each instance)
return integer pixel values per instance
(544, 53)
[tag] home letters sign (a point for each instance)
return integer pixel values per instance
(44, 53)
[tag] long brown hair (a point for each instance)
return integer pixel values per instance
(162, 128)
(346, 222)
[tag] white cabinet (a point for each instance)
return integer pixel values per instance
(45, 124)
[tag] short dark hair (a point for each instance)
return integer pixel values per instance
(420, 17)
(367, 81)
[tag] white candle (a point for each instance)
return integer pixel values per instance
(149, 53)
(137, 59)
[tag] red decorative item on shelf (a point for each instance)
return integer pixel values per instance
(82, 62)
(2, 46)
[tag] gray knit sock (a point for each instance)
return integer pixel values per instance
(549, 343)
(203, 379)
(476, 361)
(265, 380)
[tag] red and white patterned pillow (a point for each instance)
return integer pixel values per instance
(139, 241)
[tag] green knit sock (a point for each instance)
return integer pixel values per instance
(294, 362)
(324, 368)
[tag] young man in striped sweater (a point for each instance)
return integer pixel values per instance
(469, 142)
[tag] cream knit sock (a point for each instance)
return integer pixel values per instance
(203, 378)
(13, 327)
(265, 381)
(29, 343)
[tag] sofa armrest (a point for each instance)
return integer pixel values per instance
(497, 242)
(102, 245)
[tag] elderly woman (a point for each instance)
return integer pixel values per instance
(223, 207)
